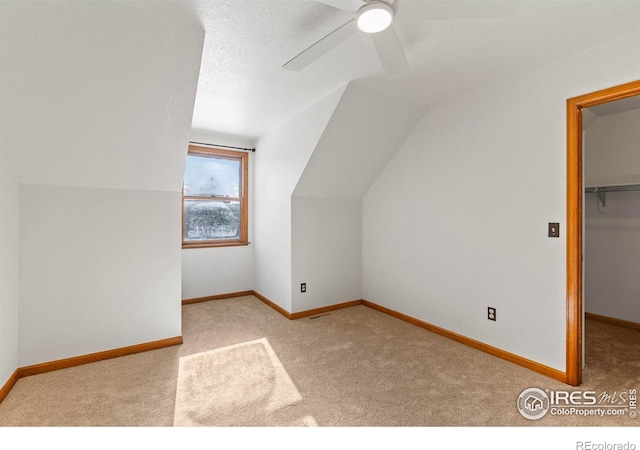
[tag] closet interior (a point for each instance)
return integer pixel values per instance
(611, 136)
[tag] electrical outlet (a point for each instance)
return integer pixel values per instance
(303, 287)
(491, 313)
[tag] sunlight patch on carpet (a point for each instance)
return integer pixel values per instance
(239, 385)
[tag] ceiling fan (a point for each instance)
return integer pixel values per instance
(370, 16)
(376, 18)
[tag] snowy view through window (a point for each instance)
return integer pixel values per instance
(208, 216)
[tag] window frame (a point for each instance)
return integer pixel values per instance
(218, 153)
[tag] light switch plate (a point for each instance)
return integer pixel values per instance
(554, 229)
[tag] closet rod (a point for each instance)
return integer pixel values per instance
(618, 188)
(602, 190)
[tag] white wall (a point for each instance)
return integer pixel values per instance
(280, 158)
(612, 233)
(8, 245)
(95, 274)
(458, 220)
(612, 256)
(362, 136)
(101, 102)
(611, 149)
(9, 231)
(225, 270)
(326, 251)
(216, 271)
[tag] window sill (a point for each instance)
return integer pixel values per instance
(213, 245)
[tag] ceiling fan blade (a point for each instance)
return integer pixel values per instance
(390, 52)
(315, 51)
(467, 9)
(351, 6)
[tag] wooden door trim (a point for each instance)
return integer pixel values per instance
(575, 192)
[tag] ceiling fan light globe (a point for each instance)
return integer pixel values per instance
(374, 17)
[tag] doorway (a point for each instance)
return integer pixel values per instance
(575, 219)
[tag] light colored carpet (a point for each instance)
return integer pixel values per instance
(238, 385)
(354, 367)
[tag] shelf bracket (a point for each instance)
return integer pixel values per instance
(602, 196)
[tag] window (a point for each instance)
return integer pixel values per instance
(214, 198)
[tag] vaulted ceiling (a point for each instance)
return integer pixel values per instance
(244, 91)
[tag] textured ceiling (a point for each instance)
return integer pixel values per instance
(244, 91)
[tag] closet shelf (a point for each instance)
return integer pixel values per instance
(618, 188)
(602, 190)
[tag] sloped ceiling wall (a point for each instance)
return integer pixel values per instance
(364, 133)
(97, 106)
(278, 163)
(99, 89)
(362, 136)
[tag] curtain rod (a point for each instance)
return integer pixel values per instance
(225, 146)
